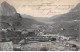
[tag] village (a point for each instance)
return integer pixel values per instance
(28, 40)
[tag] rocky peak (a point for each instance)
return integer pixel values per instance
(6, 9)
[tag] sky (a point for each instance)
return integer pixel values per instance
(42, 8)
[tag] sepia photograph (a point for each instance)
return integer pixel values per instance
(39, 25)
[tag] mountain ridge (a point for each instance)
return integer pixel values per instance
(73, 14)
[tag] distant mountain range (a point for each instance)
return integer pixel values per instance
(73, 14)
(39, 19)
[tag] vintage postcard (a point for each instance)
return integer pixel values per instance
(39, 25)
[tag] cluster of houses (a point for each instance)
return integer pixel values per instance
(34, 35)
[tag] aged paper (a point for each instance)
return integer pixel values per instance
(40, 25)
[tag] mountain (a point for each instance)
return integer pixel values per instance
(10, 17)
(73, 14)
(65, 24)
(6, 9)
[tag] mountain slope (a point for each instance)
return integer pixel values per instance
(28, 22)
(74, 14)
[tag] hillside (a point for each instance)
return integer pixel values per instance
(28, 22)
(73, 14)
